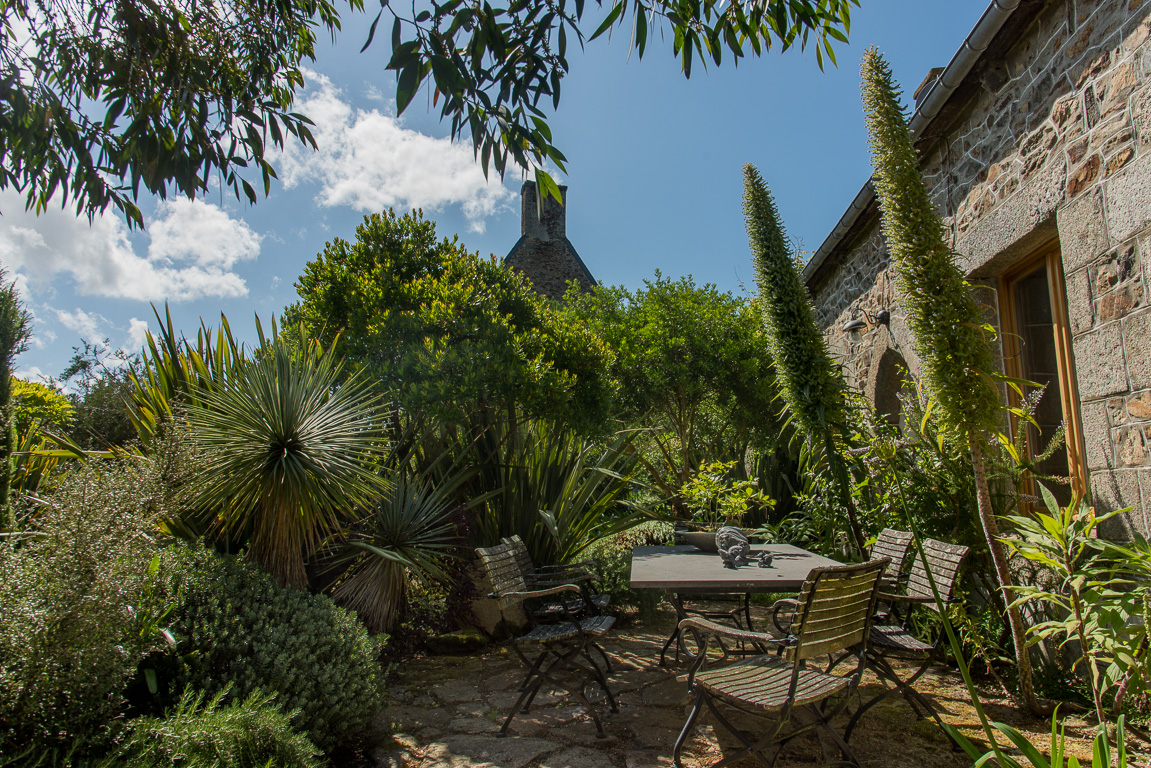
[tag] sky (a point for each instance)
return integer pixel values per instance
(654, 181)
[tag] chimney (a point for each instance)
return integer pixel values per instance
(553, 227)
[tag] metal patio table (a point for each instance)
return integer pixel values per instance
(683, 571)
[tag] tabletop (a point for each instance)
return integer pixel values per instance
(683, 568)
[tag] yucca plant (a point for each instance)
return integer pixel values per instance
(953, 344)
(808, 380)
(288, 451)
(410, 532)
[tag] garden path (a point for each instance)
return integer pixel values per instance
(444, 712)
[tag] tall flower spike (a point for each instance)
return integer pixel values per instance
(956, 359)
(808, 380)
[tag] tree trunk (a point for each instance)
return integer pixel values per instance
(999, 558)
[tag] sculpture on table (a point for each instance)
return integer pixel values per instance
(733, 546)
(765, 560)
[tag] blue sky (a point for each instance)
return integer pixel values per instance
(654, 181)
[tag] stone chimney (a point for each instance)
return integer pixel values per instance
(543, 252)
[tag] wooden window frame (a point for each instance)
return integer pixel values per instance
(1050, 256)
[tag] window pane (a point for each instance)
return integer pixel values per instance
(1034, 322)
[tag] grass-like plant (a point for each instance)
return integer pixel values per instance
(957, 361)
(558, 491)
(15, 330)
(289, 451)
(808, 380)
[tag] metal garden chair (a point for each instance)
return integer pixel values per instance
(557, 652)
(590, 601)
(835, 611)
(891, 637)
(890, 543)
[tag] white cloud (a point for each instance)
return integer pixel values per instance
(137, 334)
(84, 323)
(368, 161)
(31, 373)
(194, 247)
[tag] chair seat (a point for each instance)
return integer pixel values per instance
(553, 611)
(596, 626)
(764, 681)
(894, 640)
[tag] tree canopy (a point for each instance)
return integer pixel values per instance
(447, 331)
(692, 364)
(99, 98)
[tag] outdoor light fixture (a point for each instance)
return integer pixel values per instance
(881, 317)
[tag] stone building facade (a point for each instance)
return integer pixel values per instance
(543, 252)
(1036, 146)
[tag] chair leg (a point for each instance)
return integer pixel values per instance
(840, 741)
(691, 718)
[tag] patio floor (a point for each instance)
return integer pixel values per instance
(445, 711)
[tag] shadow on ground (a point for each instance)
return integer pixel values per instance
(445, 712)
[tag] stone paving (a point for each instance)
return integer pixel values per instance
(445, 711)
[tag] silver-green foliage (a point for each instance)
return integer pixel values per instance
(953, 344)
(73, 599)
(289, 449)
(235, 627)
(253, 733)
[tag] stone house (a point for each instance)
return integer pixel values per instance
(543, 252)
(1035, 142)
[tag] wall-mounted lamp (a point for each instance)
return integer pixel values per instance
(881, 317)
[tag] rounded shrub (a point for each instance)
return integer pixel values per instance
(236, 627)
(252, 733)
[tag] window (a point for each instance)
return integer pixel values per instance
(1037, 347)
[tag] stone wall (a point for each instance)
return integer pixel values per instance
(1056, 142)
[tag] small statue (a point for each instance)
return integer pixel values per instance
(765, 560)
(733, 546)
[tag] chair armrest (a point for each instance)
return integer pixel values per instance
(574, 572)
(912, 600)
(786, 604)
(723, 630)
(537, 592)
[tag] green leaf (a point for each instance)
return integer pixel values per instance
(407, 84)
(372, 30)
(614, 14)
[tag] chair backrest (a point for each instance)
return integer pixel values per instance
(522, 556)
(502, 566)
(945, 560)
(894, 544)
(835, 608)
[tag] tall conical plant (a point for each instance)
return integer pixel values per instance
(808, 380)
(957, 361)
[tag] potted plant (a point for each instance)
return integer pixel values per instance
(717, 499)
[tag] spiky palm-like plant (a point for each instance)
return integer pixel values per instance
(957, 361)
(410, 531)
(288, 451)
(808, 380)
(15, 330)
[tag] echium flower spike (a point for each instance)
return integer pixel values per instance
(954, 350)
(956, 359)
(808, 379)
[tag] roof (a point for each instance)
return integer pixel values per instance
(1000, 26)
